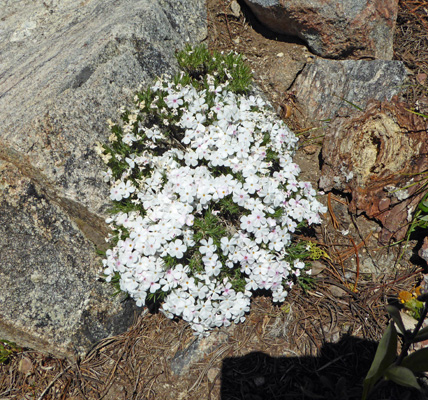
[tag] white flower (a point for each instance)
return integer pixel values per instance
(227, 245)
(220, 167)
(213, 267)
(177, 249)
(208, 247)
(252, 184)
(247, 223)
(173, 100)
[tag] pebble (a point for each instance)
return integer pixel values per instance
(336, 291)
(317, 267)
(212, 374)
(235, 8)
(310, 149)
(25, 366)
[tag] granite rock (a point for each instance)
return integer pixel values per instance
(65, 68)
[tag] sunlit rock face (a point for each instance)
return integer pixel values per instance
(66, 68)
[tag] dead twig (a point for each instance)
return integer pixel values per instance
(53, 382)
(330, 210)
(350, 252)
(227, 23)
(399, 279)
(358, 264)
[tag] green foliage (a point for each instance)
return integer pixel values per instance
(198, 62)
(417, 113)
(401, 375)
(238, 282)
(298, 251)
(7, 349)
(115, 282)
(420, 217)
(306, 282)
(401, 369)
(195, 263)
(209, 226)
(384, 357)
(170, 262)
(415, 307)
(125, 205)
(231, 210)
(417, 362)
(316, 252)
(156, 297)
(272, 156)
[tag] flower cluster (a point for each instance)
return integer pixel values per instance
(210, 200)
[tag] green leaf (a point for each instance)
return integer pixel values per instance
(423, 204)
(384, 357)
(417, 361)
(394, 312)
(414, 112)
(422, 335)
(401, 375)
(385, 353)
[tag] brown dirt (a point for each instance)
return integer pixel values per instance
(137, 364)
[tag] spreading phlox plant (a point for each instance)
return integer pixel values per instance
(206, 193)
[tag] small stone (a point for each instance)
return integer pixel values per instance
(336, 291)
(357, 28)
(408, 321)
(421, 78)
(25, 366)
(317, 267)
(259, 380)
(384, 204)
(235, 8)
(280, 55)
(212, 374)
(236, 40)
(328, 87)
(310, 149)
(423, 251)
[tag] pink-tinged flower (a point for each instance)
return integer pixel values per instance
(247, 223)
(258, 217)
(173, 101)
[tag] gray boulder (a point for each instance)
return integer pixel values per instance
(331, 88)
(65, 68)
(334, 29)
